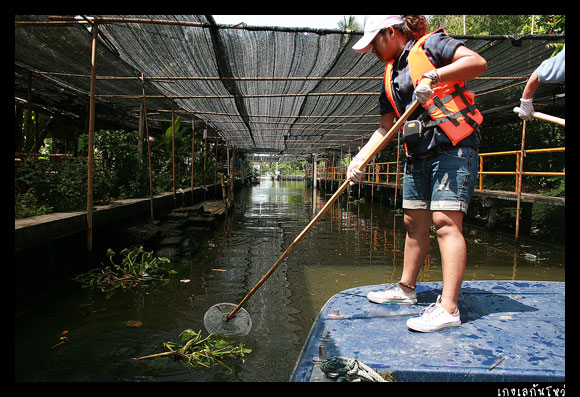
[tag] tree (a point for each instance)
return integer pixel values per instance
(498, 24)
(349, 23)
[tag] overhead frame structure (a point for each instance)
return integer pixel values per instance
(284, 91)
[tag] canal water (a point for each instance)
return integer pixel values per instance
(74, 334)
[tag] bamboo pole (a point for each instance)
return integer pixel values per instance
(373, 177)
(258, 78)
(397, 177)
(385, 141)
(192, 153)
(520, 176)
(545, 117)
(228, 96)
(278, 116)
(215, 169)
(360, 183)
(205, 161)
(232, 179)
(148, 147)
(173, 148)
(91, 154)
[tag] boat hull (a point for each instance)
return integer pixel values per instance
(518, 325)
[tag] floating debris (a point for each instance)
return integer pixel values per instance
(137, 267)
(133, 323)
(206, 352)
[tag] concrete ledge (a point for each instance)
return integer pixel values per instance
(36, 230)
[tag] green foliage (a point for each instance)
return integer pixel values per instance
(284, 167)
(136, 269)
(119, 172)
(196, 351)
(60, 185)
(45, 185)
(27, 205)
(498, 24)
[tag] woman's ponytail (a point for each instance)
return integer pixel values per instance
(414, 26)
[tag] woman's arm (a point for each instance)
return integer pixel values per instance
(387, 121)
(466, 65)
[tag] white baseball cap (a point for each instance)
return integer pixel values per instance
(373, 25)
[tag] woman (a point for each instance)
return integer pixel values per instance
(442, 161)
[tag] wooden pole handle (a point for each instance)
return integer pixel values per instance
(545, 117)
(385, 141)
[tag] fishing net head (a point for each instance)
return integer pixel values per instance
(216, 321)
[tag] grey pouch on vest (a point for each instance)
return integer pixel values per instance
(412, 132)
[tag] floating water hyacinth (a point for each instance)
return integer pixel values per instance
(196, 351)
(137, 267)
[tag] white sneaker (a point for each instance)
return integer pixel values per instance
(434, 318)
(393, 294)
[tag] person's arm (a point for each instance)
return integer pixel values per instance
(465, 65)
(387, 121)
(531, 86)
(551, 70)
(526, 105)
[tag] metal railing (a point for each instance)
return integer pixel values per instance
(374, 174)
(519, 172)
(385, 172)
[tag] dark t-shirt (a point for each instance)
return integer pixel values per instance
(440, 49)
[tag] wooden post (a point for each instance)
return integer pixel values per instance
(205, 161)
(360, 183)
(398, 167)
(481, 172)
(173, 148)
(224, 196)
(215, 170)
(520, 175)
(91, 154)
(140, 143)
(192, 153)
(148, 145)
(374, 167)
(314, 170)
(232, 180)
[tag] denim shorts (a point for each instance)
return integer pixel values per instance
(443, 182)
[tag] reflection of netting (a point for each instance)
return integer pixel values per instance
(261, 89)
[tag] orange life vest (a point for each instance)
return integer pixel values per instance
(450, 106)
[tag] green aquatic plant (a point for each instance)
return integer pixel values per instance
(197, 351)
(136, 269)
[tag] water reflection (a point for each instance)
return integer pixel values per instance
(355, 243)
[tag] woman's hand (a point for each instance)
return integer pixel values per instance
(353, 173)
(424, 91)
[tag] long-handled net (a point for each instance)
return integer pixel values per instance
(216, 322)
(227, 318)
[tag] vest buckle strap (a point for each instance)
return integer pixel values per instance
(445, 111)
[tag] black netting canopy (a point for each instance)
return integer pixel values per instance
(261, 89)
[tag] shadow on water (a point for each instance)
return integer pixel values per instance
(356, 243)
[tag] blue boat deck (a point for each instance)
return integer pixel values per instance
(521, 322)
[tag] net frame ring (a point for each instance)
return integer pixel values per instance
(215, 320)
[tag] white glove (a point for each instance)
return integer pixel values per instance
(423, 93)
(526, 109)
(353, 173)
